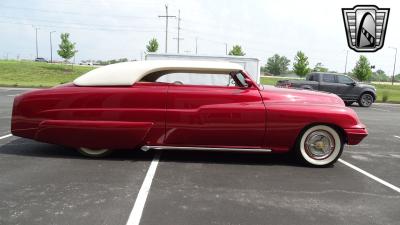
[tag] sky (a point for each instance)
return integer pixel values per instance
(112, 29)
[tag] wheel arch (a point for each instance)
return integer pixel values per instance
(368, 92)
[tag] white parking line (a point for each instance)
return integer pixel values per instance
(136, 214)
(387, 184)
(5, 136)
(397, 136)
(382, 110)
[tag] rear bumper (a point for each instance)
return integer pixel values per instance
(355, 135)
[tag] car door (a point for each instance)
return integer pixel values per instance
(215, 114)
(345, 88)
(327, 83)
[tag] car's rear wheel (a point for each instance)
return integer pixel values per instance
(366, 100)
(320, 146)
(94, 153)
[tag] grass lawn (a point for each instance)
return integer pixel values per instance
(37, 74)
(392, 91)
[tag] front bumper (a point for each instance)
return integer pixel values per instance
(355, 135)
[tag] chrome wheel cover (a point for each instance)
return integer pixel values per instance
(319, 144)
(366, 99)
(94, 152)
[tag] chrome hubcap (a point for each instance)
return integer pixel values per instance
(319, 144)
(366, 99)
(93, 151)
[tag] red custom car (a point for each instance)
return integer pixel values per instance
(186, 105)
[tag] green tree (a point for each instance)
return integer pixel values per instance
(397, 78)
(277, 64)
(152, 46)
(300, 65)
(362, 71)
(320, 68)
(379, 75)
(67, 48)
(237, 50)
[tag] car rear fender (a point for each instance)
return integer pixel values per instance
(93, 134)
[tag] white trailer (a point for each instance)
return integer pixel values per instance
(251, 65)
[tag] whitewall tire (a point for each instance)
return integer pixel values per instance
(94, 153)
(320, 146)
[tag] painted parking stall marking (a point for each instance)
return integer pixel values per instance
(5, 136)
(397, 136)
(387, 184)
(136, 213)
(380, 110)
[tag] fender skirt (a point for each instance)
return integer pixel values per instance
(93, 134)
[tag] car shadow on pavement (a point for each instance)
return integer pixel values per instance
(26, 147)
(239, 158)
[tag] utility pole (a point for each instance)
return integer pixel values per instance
(166, 16)
(51, 48)
(179, 28)
(196, 45)
(226, 48)
(37, 51)
(394, 65)
(345, 66)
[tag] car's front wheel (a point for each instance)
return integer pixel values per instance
(366, 100)
(94, 153)
(320, 146)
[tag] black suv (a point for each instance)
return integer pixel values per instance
(345, 87)
(40, 59)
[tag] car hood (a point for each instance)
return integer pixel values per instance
(272, 94)
(364, 85)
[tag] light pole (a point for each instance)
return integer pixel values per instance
(37, 50)
(196, 45)
(51, 48)
(345, 66)
(394, 65)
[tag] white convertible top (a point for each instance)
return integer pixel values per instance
(128, 73)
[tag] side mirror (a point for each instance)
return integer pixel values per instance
(353, 84)
(248, 82)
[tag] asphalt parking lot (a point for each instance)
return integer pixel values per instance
(48, 184)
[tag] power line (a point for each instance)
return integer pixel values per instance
(74, 23)
(166, 26)
(179, 28)
(70, 12)
(79, 28)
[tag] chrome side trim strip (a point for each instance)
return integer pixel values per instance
(148, 147)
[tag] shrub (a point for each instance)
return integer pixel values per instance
(385, 96)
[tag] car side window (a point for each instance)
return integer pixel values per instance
(328, 78)
(196, 78)
(241, 79)
(344, 80)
